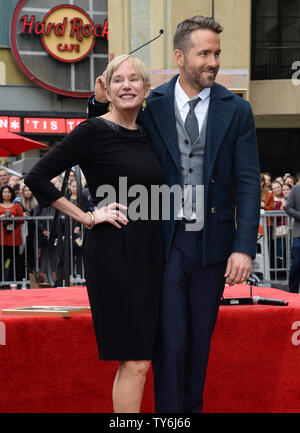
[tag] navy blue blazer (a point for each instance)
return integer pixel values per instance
(231, 174)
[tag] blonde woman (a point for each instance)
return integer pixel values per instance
(123, 257)
(28, 204)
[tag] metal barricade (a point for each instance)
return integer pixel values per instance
(273, 256)
(30, 259)
(25, 265)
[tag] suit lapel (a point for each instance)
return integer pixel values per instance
(161, 107)
(220, 114)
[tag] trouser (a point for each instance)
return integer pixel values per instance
(189, 306)
(294, 278)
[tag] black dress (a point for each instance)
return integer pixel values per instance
(123, 267)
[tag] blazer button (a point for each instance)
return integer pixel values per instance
(213, 210)
(191, 155)
(212, 180)
(190, 170)
(186, 141)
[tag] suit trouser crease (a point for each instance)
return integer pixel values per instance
(189, 305)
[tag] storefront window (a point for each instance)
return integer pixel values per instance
(275, 38)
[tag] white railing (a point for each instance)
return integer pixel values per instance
(19, 263)
(273, 257)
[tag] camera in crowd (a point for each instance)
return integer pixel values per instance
(8, 225)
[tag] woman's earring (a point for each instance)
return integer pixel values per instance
(110, 107)
(144, 105)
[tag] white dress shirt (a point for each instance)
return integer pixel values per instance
(183, 103)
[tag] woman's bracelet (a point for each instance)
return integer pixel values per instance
(92, 222)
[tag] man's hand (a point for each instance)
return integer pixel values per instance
(99, 89)
(239, 266)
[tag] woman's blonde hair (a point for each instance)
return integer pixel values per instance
(28, 203)
(136, 63)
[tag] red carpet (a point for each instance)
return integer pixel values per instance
(50, 364)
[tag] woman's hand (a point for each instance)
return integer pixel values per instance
(111, 215)
(99, 90)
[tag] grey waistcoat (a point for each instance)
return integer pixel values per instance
(191, 157)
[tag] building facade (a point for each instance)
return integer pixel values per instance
(260, 60)
(50, 55)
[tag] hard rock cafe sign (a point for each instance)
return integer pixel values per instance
(60, 47)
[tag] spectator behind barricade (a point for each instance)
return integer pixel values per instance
(85, 189)
(277, 192)
(10, 237)
(4, 177)
(291, 180)
(292, 208)
(266, 201)
(282, 226)
(13, 180)
(267, 197)
(91, 204)
(77, 235)
(268, 180)
(280, 180)
(72, 176)
(286, 189)
(280, 204)
(17, 192)
(28, 203)
(44, 229)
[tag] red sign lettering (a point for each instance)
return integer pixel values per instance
(67, 47)
(44, 125)
(50, 125)
(39, 125)
(4, 123)
(25, 24)
(72, 123)
(78, 29)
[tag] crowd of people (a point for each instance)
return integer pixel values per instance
(16, 199)
(275, 190)
(22, 246)
(281, 229)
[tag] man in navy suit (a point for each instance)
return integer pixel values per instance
(203, 135)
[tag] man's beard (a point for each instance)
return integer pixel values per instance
(197, 81)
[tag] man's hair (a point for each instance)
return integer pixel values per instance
(182, 35)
